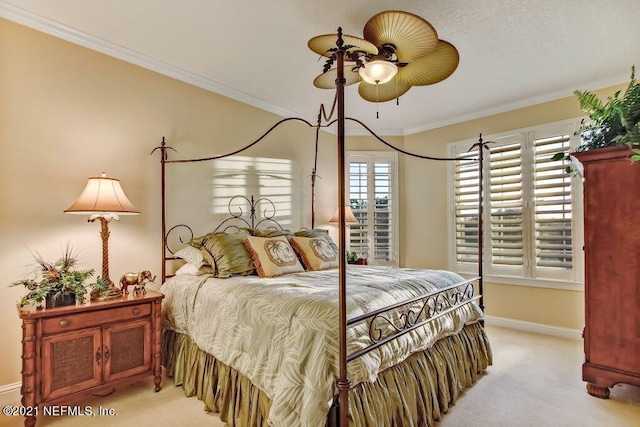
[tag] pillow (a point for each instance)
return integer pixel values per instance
(193, 270)
(272, 256)
(315, 232)
(316, 252)
(191, 255)
(270, 232)
(197, 242)
(230, 256)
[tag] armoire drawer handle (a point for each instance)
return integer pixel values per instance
(136, 311)
(64, 323)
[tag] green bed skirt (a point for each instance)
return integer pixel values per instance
(416, 392)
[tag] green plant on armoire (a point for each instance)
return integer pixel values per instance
(614, 121)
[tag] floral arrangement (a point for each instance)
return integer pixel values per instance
(58, 279)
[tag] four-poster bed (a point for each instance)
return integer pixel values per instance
(413, 344)
(460, 345)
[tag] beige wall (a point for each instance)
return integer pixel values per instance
(67, 113)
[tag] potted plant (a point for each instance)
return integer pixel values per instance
(59, 282)
(611, 123)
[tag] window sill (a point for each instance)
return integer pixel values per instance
(534, 283)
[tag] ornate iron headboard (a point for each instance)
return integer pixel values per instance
(260, 213)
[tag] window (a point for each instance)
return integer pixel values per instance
(372, 194)
(529, 207)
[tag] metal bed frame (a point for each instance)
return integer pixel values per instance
(409, 314)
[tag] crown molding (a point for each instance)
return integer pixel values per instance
(523, 103)
(64, 32)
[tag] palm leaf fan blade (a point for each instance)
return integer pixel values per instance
(382, 92)
(412, 36)
(325, 45)
(434, 68)
(328, 80)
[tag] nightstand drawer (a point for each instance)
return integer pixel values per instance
(73, 322)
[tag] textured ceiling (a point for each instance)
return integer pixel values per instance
(513, 53)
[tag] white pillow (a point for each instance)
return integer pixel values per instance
(191, 269)
(191, 255)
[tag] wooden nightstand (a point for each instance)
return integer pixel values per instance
(69, 352)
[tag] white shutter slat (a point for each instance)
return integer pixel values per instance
(466, 212)
(552, 200)
(372, 199)
(506, 204)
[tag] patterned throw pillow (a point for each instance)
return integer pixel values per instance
(272, 256)
(316, 252)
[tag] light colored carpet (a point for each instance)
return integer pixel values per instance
(535, 381)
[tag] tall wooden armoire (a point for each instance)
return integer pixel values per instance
(612, 269)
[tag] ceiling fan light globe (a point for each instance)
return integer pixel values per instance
(378, 71)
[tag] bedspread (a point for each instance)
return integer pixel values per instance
(282, 333)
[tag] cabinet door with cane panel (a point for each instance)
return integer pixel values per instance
(69, 352)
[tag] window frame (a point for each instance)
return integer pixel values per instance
(528, 274)
(370, 157)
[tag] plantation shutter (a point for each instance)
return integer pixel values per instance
(466, 210)
(383, 213)
(528, 207)
(506, 205)
(552, 201)
(359, 202)
(372, 197)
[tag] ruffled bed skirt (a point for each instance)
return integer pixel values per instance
(416, 392)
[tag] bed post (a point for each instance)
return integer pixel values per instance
(314, 174)
(163, 157)
(481, 146)
(343, 384)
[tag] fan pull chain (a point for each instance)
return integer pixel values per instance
(377, 103)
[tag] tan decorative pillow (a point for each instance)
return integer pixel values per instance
(272, 256)
(316, 252)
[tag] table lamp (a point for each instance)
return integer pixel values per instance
(104, 199)
(350, 218)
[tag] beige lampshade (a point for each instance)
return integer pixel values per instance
(378, 71)
(350, 218)
(102, 194)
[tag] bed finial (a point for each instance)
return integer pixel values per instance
(163, 147)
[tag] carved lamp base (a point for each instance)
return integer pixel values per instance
(111, 293)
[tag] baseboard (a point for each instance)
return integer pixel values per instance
(10, 394)
(537, 328)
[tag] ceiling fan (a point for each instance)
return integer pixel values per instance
(399, 50)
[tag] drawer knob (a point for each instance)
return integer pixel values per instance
(136, 311)
(64, 323)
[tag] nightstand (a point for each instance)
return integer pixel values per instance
(69, 352)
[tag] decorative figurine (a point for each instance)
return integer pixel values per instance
(137, 280)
